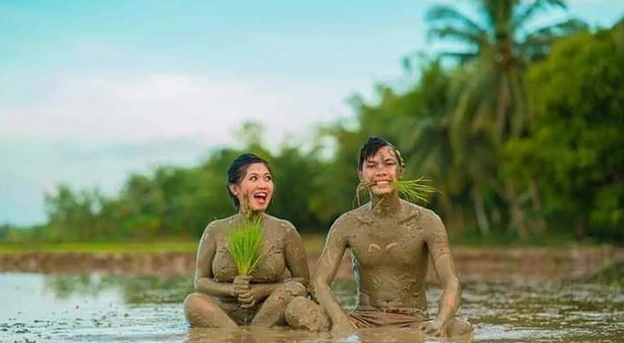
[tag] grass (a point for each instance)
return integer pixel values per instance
(411, 190)
(414, 190)
(244, 243)
(100, 247)
(313, 244)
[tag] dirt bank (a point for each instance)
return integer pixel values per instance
(473, 264)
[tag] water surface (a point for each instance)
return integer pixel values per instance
(104, 308)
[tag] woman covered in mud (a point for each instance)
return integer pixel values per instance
(222, 297)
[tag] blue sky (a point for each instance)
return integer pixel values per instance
(91, 91)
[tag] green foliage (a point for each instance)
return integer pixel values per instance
(298, 194)
(574, 153)
(245, 242)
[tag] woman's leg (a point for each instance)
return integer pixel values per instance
(303, 313)
(203, 311)
(271, 312)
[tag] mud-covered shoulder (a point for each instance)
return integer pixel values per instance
(218, 227)
(346, 224)
(411, 211)
(282, 223)
(361, 215)
(428, 218)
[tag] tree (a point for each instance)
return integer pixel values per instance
(574, 149)
(490, 102)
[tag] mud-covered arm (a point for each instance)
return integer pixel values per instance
(327, 268)
(296, 259)
(437, 242)
(204, 281)
(296, 262)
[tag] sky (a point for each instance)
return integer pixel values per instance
(92, 91)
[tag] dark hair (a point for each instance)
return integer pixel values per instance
(238, 169)
(372, 145)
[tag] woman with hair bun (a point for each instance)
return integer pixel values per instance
(222, 297)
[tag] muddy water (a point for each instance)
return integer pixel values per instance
(100, 308)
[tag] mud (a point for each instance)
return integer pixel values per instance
(508, 265)
(105, 308)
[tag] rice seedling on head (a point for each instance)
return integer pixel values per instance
(414, 190)
(245, 242)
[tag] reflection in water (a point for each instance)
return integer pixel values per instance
(104, 308)
(134, 289)
(255, 335)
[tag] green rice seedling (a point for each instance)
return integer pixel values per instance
(414, 190)
(245, 242)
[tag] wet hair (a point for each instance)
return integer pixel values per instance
(238, 169)
(370, 148)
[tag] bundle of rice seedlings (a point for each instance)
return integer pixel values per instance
(245, 242)
(414, 190)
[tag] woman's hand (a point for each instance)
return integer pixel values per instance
(250, 298)
(246, 294)
(241, 285)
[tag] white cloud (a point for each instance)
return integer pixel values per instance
(169, 105)
(95, 130)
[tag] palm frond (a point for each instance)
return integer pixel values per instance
(446, 13)
(458, 34)
(537, 43)
(244, 243)
(566, 27)
(460, 57)
(524, 15)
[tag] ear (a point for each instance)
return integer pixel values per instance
(234, 189)
(360, 176)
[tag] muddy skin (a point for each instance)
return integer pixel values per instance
(281, 275)
(391, 241)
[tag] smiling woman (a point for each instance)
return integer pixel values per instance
(276, 269)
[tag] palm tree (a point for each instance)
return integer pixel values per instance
(490, 100)
(500, 47)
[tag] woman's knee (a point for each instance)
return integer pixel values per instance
(303, 313)
(291, 289)
(196, 301)
(293, 307)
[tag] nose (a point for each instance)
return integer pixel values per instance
(263, 184)
(381, 170)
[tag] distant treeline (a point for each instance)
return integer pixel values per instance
(523, 136)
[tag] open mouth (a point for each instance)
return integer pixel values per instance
(261, 197)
